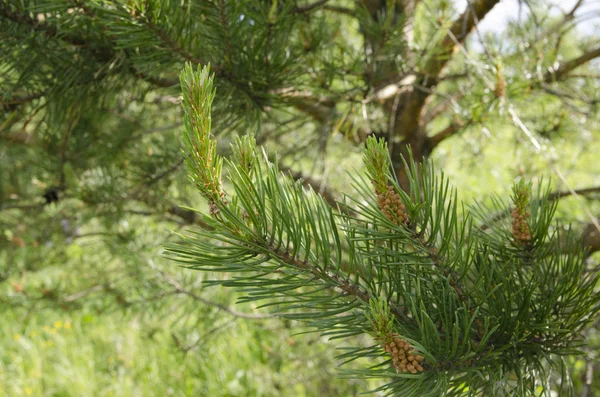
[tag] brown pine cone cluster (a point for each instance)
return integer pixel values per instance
(520, 228)
(402, 358)
(391, 205)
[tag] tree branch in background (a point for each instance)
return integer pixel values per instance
(315, 185)
(319, 108)
(566, 19)
(340, 10)
(447, 132)
(460, 29)
(407, 107)
(310, 7)
(565, 95)
(581, 192)
(155, 81)
(179, 289)
(571, 14)
(189, 216)
(439, 109)
(563, 69)
(19, 137)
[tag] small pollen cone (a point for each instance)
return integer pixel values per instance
(403, 359)
(520, 228)
(391, 205)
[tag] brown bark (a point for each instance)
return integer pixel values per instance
(408, 133)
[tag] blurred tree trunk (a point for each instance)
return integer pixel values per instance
(405, 100)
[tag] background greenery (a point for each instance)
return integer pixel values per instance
(91, 308)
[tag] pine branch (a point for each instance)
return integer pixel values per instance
(227, 32)
(171, 44)
(551, 197)
(50, 31)
(102, 53)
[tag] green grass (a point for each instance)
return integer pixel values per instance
(173, 346)
(78, 354)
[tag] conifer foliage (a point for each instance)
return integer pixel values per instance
(451, 309)
(455, 300)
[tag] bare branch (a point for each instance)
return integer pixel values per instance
(180, 290)
(310, 7)
(460, 29)
(440, 109)
(565, 95)
(318, 108)
(568, 17)
(189, 216)
(82, 294)
(393, 90)
(156, 81)
(340, 10)
(581, 192)
(563, 69)
(315, 185)
(30, 206)
(571, 14)
(446, 133)
(20, 137)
